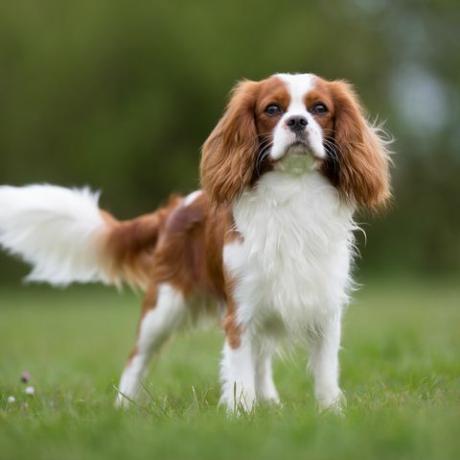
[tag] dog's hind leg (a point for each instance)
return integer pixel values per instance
(159, 320)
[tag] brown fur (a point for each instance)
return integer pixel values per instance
(178, 244)
(129, 246)
(229, 153)
(189, 252)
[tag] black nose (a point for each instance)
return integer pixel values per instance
(296, 123)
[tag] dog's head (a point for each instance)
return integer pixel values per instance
(296, 123)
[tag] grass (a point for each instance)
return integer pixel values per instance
(400, 372)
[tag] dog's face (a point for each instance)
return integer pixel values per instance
(289, 114)
(295, 124)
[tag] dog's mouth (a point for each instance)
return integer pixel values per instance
(298, 159)
(299, 147)
(302, 146)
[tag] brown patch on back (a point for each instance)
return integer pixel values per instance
(181, 245)
(189, 256)
(189, 250)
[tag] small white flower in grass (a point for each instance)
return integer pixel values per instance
(30, 390)
(11, 399)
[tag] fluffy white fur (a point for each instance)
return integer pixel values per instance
(293, 272)
(56, 230)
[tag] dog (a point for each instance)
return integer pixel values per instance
(267, 243)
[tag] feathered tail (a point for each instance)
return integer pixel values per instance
(66, 238)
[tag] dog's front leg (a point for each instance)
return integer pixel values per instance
(324, 363)
(265, 386)
(237, 373)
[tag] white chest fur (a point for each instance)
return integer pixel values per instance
(293, 265)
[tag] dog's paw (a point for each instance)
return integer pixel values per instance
(122, 402)
(333, 402)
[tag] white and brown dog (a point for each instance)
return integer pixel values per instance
(269, 238)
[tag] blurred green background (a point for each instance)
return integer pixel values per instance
(120, 95)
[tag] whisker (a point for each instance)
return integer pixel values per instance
(333, 151)
(263, 154)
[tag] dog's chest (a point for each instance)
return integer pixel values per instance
(293, 262)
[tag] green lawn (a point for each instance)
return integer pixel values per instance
(400, 372)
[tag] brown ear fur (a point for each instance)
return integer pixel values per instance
(229, 153)
(363, 174)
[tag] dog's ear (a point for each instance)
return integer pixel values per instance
(362, 154)
(229, 153)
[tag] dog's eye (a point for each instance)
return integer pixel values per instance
(319, 108)
(273, 109)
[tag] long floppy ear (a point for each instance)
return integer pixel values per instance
(363, 159)
(229, 153)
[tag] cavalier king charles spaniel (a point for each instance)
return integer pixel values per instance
(267, 243)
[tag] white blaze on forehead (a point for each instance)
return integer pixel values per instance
(298, 86)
